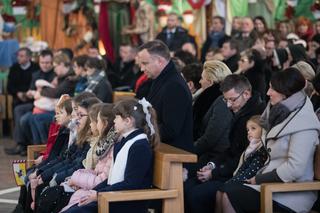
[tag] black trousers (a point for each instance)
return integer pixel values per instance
(200, 197)
(245, 199)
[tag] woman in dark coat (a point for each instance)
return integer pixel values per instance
(213, 73)
(252, 66)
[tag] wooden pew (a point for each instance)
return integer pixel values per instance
(268, 188)
(118, 96)
(32, 151)
(10, 113)
(167, 181)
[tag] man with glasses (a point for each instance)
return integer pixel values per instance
(244, 103)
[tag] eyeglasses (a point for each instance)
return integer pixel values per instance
(232, 100)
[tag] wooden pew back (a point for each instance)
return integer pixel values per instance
(167, 181)
(118, 96)
(267, 189)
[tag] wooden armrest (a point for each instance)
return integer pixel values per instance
(291, 187)
(269, 188)
(36, 148)
(172, 154)
(130, 195)
(32, 149)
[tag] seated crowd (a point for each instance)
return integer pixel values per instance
(248, 111)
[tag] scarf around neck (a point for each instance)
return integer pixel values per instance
(106, 143)
(274, 115)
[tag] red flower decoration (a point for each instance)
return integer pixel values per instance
(8, 18)
(289, 13)
(196, 4)
(315, 6)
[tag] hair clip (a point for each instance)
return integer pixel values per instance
(145, 104)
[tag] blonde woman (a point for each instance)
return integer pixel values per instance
(212, 75)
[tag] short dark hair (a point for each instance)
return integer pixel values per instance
(288, 82)
(234, 44)
(27, 50)
(221, 19)
(156, 47)
(185, 57)
(81, 60)
(192, 72)
(68, 52)
(46, 52)
(96, 63)
(237, 82)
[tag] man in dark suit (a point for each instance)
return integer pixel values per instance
(173, 35)
(169, 95)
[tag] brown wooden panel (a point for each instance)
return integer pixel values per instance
(9, 107)
(118, 96)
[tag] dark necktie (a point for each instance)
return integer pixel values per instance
(169, 37)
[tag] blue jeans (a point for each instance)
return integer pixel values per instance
(25, 131)
(19, 112)
(39, 125)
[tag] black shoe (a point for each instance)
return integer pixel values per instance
(13, 151)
